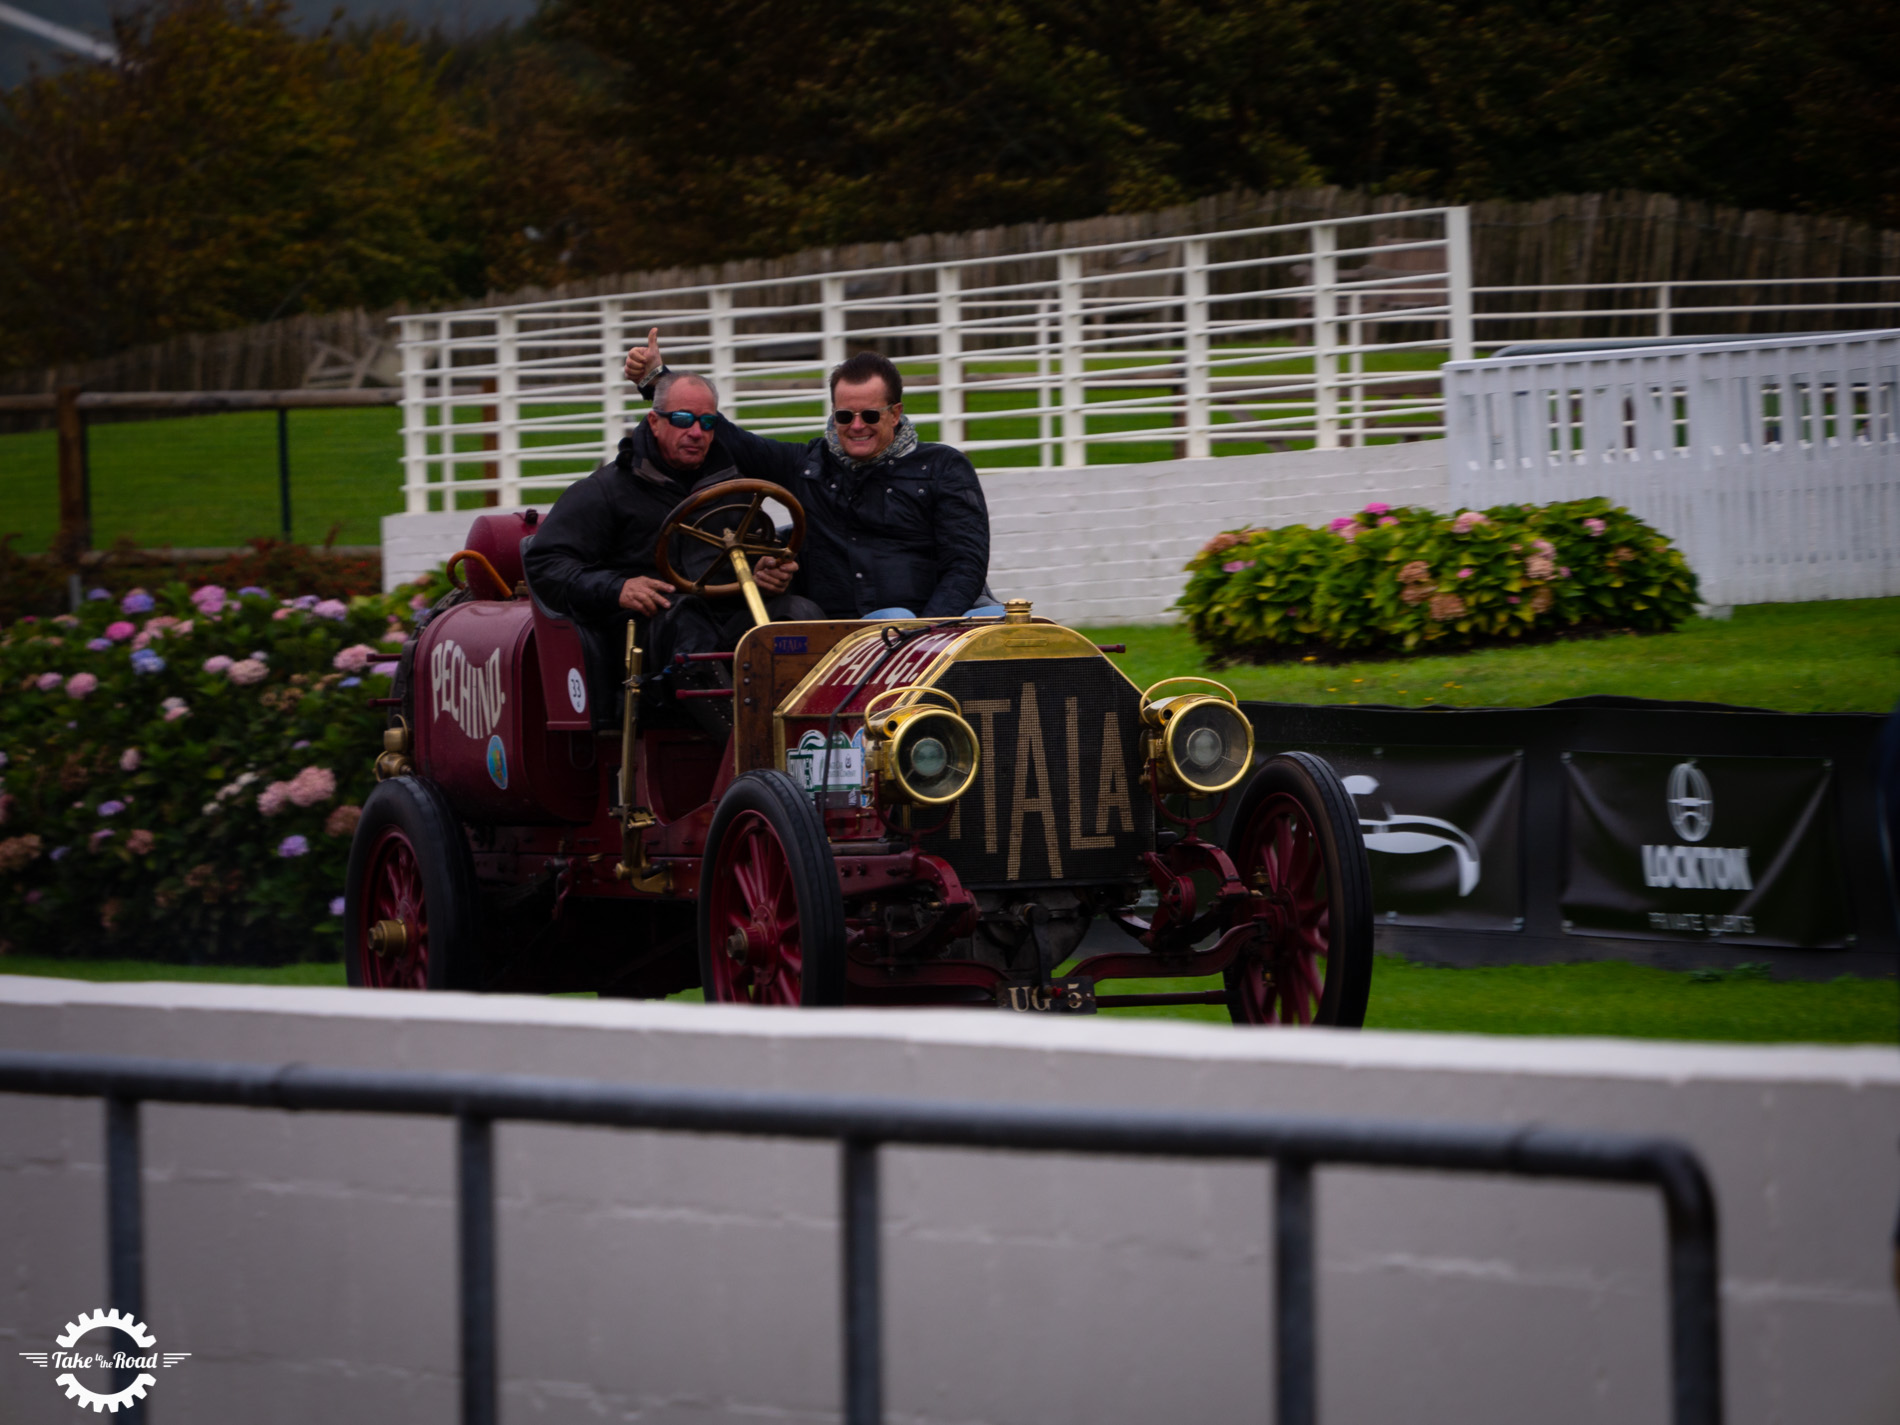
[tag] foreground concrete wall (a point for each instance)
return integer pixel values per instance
(1103, 543)
(307, 1263)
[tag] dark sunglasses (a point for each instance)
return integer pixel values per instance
(682, 419)
(870, 417)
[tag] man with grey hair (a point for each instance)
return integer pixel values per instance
(592, 556)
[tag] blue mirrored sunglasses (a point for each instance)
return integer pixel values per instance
(682, 419)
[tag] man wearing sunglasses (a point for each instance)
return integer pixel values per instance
(592, 554)
(895, 527)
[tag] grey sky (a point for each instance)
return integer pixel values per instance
(19, 49)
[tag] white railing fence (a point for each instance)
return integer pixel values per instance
(1702, 307)
(1774, 463)
(1323, 333)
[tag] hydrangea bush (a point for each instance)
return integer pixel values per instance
(181, 770)
(1409, 579)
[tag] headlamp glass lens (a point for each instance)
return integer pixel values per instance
(1203, 748)
(928, 758)
(1209, 745)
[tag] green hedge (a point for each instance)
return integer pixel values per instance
(180, 772)
(1409, 579)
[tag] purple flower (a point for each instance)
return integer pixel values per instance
(384, 670)
(207, 598)
(46, 682)
(293, 846)
(350, 683)
(99, 645)
(97, 594)
(146, 661)
(1563, 571)
(58, 853)
(112, 808)
(253, 589)
(1594, 526)
(300, 744)
(331, 609)
(336, 905)
(1464, 573)
(137, 601)
(99, 838)
(308, 601)
(121, 630)
(1234, 566)
(1377, 508)
(260, 655)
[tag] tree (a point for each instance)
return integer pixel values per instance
(226, 170)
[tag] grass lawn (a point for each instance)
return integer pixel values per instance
(1839, 656)
(1604, 998)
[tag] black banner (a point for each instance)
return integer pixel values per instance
(1794, 790)
(1442, 831)
(1739, 849)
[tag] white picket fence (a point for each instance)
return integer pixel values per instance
(1328, 333)
(1774, 463)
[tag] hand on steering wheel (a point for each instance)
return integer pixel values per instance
(737, 544)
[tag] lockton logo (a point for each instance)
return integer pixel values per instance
(1691, 802)
(97, 1357)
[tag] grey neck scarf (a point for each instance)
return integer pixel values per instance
(903, 444)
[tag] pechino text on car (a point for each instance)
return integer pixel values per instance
(916, 812)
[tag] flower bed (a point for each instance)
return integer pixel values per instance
(181, 771)
(1409, 579)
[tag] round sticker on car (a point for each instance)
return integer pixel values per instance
(577, 690)
(498, 762)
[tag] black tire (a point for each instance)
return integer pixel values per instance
(410, 862)
(1298, 796)
(764, 826)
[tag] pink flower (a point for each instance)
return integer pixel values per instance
(1544, 547)
(175, 708)
(119, 630)
(281, 614)
(99, 838)
(81, 684)
(1387, 519)
(129, 759)
(271, 800)
(1464, 573)
(185, 628)
(157, 626)
(144, 640)
(1512, 599)
(332, 609)
(1234, 566)
(419, 602)
(1377, 508)
(46, 682)
(312, 785)
(1467, 521)
(384, 670)
(353, 659)
(1344, 522)
(1594, 526)
(246, 671)
(1563, 571)
(217, 663)
(1349, 533)
(207, 599)
(342, 821)
(140, 842)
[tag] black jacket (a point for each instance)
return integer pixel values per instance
(601, 531)
(911, 533)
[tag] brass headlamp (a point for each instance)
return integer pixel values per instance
(920, 746)
(1199, 743)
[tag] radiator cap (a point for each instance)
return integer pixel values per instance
(1016, 611)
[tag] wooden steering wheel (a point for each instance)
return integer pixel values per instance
(737, 544)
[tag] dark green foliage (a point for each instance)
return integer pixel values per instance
(1410, 580)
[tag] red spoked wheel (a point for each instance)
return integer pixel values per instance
(1296, 843)
(409, 901)
(771, 915)
(393, 921)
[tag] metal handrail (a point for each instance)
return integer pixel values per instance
(862, 1125)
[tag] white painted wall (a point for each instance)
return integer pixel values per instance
(1103, 543)
(307, 1262)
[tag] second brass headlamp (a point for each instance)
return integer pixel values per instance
(1200, 743)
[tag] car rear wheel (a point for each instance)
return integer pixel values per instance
(409, 901)
(771, 914)
(1296, 840)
